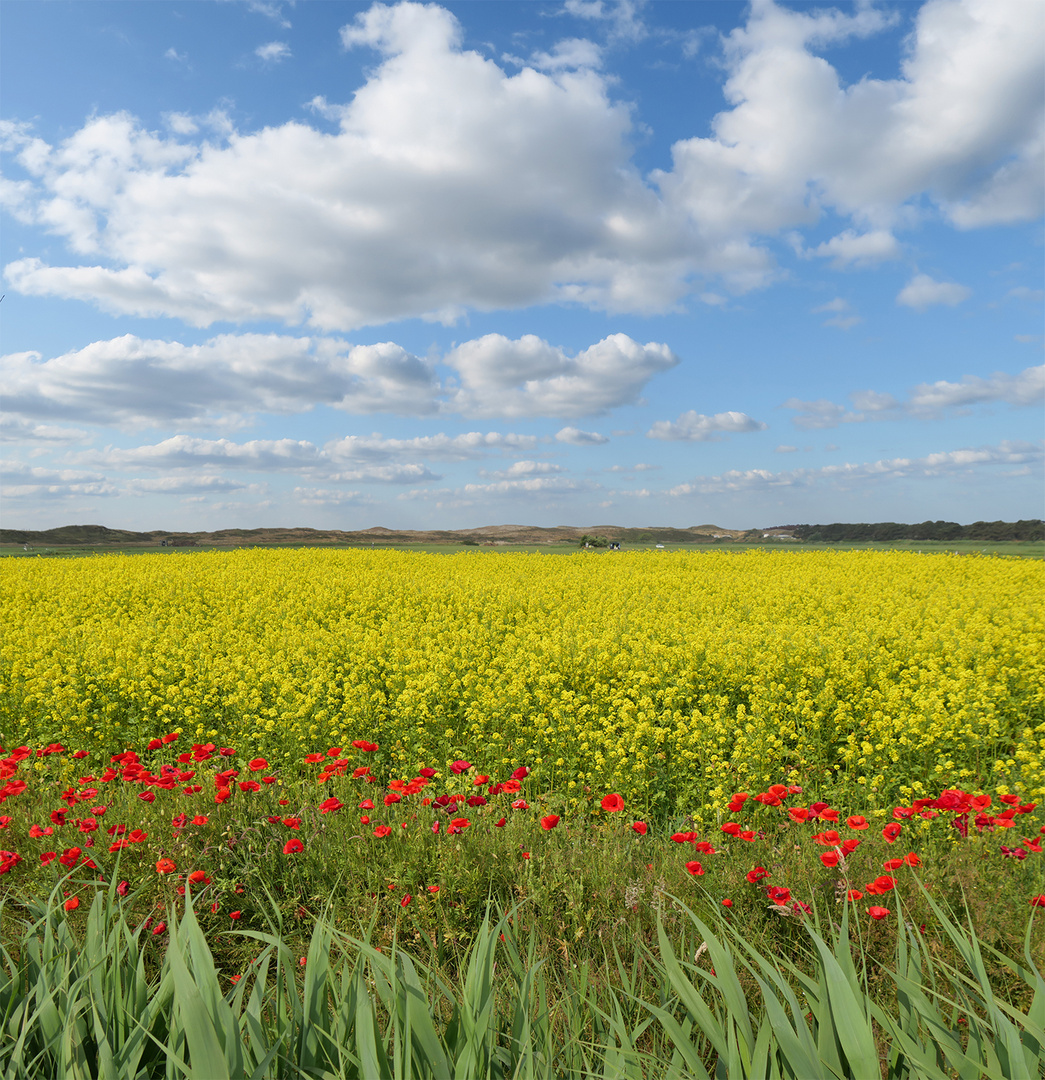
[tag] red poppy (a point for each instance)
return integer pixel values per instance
(458, 824)
(328, 806)
(200, 819)
(291, 822)
(878, 912)
(1038, 901)
(732, 828)
(166, 866)
(406, 900)
(365, 819)
(829, 858)
(520, 804)
(857, 821)
(685, 837)
(258, 764)
(855, 894)
(756, 875)
(235, 914)
(123, 888)
(829, 838)
(893, 864)
(548, 823)
(72, 903)
(147, 796)
(797, 813)
(521, 773)
(427, 773)
(737, 802)
(640, 827)
(362, 771)
(392, 798)
(727, 902)
(612, 803)
(748, 835)
(199, 877)
(382, 830)
(695, 868)
(500, 824)
(526, 854)
(779, 895)
(912, 860)
(459, 767)
(293, 846)
(362, 744)
(892, 831)
(849, 846)
(314, 759)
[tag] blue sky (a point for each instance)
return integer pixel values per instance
(442, 266)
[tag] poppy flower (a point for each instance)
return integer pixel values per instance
(829, 858)
(392, 798)
(158, 929)
(797, 814)
(520, 804)
(365, 819)
(756, 875)
(748, 835)
(521, 773)
(829, 838)
(500, 824)
(640, 827)
(235, 914)
(695, 868)
(893, 864)
(878, 912)
(612, 803)
(855, 894)
(406, 900)
(147, 796)
(382, 830)
(458, 824)
(1038, 901)
(912, 860)
(367, 804)
(48, 857)
(510, 787)
(727, 902)
(122, 888)
(731, 828)
(526, 854)
(548, 823)
(849, 846)
(361, 771)
(72, 903)
(258, 764)
(892, 831)
(737, 802)
(857, 821)
(200, 819)
(328, 806)
(293, 846)
(459, 767)
(166, 866)
(779, 895)
(362, 744)
(291, 822)
(685, 837)
(199, 877)
(314, 759)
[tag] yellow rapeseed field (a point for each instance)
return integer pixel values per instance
(673, 678)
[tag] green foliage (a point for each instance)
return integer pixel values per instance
(94, 1003)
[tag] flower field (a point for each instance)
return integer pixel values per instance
(673, 679)
(605, 755)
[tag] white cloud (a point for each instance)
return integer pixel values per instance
(272, 52)
(865, 249)
(696, 427)
(782, 449)
(133, 382)
(310, 496)
(951, 462)
(453, 186)
(270, 10)
(529, 377)
(922, 292)
(189, 484)
(576, 437)
(622, 16)
(28, 482)
(1026, 388)
(542, 486)
(16, 429)
(568, 54)
(173, 54)
(526, 468)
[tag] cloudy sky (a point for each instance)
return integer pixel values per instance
(421, 265)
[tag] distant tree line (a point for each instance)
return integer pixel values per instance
(927, 530)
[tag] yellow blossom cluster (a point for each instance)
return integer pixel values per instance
(674, 678)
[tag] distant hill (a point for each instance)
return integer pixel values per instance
(93, 535)
(497, 535)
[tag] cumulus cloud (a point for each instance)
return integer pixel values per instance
(451, 185)
(18, 429)
(570, 53)
(924, 401)
(621, 17)
(526, 468)
(529, 377)
(576, 437)
(696, 427)
(133, 382)
(849, 248)
(922, 292)
(950, 462)
(46, 482)
(272, 52)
